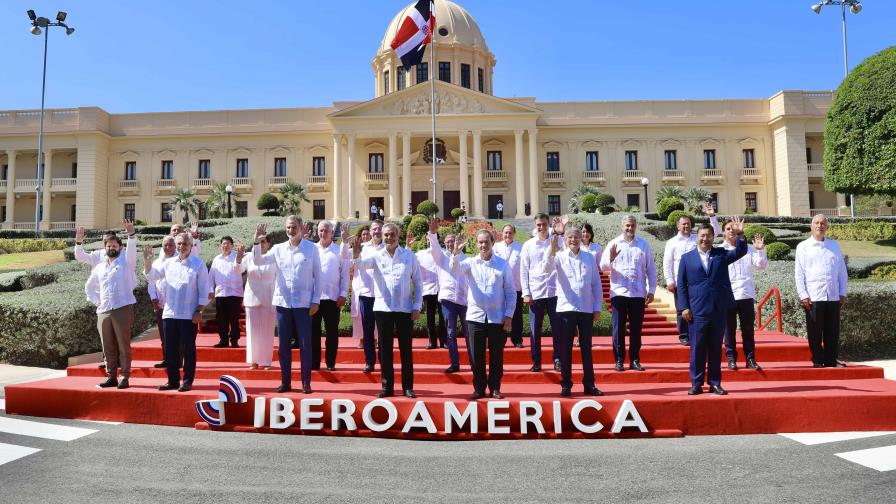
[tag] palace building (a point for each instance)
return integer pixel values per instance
(764, 153)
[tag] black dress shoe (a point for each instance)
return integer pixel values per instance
(732, 364)
(518, 345)
(306, 389)
(477, 395)
(385, 393)
(111, 381)
(283, 388)
(168, 386)
(452, 369)
(234, 344)
(315, 368)
(619, 366)
(684, 341)
(185, 387)
(838, 364)
(593, 391)
(636, 365)
(160, 365)
(331, 368)
(220, 344)
(296, 346)
(751, 364)
(496, 394)
(717, 390)
(817, 365)
(535, 368)
(431, 346)
(101, 366)
(565, 392)
(695, 390)
(123, 384)
(410, 394)
(556, 364)
(368, 368)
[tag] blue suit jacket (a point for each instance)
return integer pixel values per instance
(707, 293)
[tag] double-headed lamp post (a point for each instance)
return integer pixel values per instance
(645, 182)
(855, 7)
(38, 25)
(229, 190)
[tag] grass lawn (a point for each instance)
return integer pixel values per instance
(15, 262)
(868, 249)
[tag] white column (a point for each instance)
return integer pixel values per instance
(534, 192)
(519, 174)
(10, 189)
(394, 203)
(464, 172)
(47, 196)
(477, 174)
(405, 172)
(352, 177)
(337, 178)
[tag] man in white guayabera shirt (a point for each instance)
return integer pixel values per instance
(509, 249)
(677, 246)
(539, 292)
(741, 275)
(490, 304)
(157, 292)
(629, 260)
(186, 294)
(821, 278)
(579, 300)
(429, 278)
(396, 277)
(335, 265)
(366, 297)
(452, 292)
(111, 288)
(225, 278)
(296, 295)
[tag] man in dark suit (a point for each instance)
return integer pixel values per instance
(704, 296)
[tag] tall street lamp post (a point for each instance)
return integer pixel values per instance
(229, 190)
(645, 182)
(855, 7)
(36, 24)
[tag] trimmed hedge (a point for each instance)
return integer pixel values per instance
(20, 245)
(863, 231)
(668, 205)
(886, 272)
(750, 230)
(777, 251)
(672, 220)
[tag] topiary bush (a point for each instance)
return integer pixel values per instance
(588, 203)
(751, 230)
(860, 129)
(269, 203)
(672, 219)
(418, 227)
(777, 251)
(427, 208)
(457, 213)
(668, 205)
(863, 231)
(605, 203)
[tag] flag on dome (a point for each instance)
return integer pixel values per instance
(415, 32)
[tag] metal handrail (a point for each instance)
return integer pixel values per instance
(760, 325)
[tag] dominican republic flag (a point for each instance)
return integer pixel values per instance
(415, 32)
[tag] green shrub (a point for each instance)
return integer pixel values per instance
(863, 231)
(672, 219)
(11, 281)
(269, 202)
(588, 203)
(457, 213)
(418, 227)
(427, 208)
(777, 251)
(667, 206)
(605, 203)
(18, 246)
(751, 230)
(886, 272)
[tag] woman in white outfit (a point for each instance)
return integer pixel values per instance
(363, 234)
(260, 312)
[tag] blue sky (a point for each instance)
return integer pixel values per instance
(201, 55)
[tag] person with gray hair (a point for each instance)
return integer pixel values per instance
(821, 278)
(629, 260)
(335, 267)
(157, 293)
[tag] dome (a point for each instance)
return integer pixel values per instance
(454, 25)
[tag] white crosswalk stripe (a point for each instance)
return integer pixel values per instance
(880, 459)
(42, 430)
(9, 452)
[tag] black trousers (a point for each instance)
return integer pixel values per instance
(745, 310)
(227, 315)
(438, 335)
(180, 337)
(516, 326)
(159, 324)
(390, 324)
(328, 314)
(484, 334)
(583, 324)
(823, 330)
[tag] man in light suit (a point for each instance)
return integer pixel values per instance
(705, 297)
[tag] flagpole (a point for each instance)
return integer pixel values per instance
(432, 51)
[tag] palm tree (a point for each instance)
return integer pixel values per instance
(695, 198)
(574, 205)
(669, 192)
(292, 195)
(216, 204)
(185, 201)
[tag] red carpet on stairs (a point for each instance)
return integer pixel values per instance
(787, 395)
